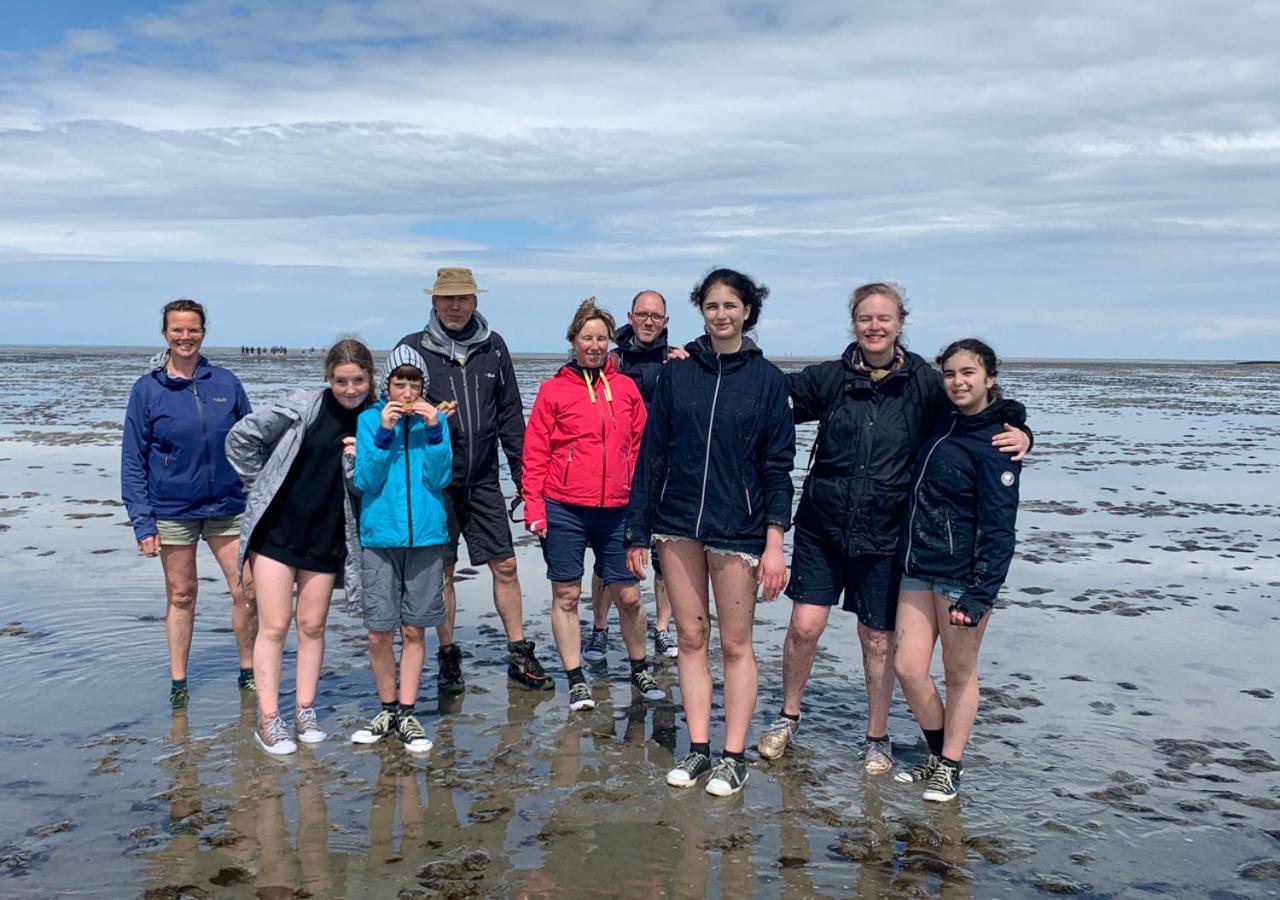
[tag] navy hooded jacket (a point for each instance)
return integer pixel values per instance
(642, 364)
(962, 507)
(173, 464)
(715, 462)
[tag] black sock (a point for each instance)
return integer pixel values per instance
(933, 737)
(739, 757)
(787, 715)
(179, 683)
(409, 710)
(575, 676)
(639, 665)
(949, 763)
(704, 749)
(246, 673)
(883, 737)
(393, 707)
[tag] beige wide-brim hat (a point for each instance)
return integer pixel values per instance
(453, 281)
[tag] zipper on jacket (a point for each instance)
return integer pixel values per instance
(466, 421)
(204, 432)
(567, 466)
(951, 547)
(915, 493)
(746, 493)
(706, 463)
(408, 482)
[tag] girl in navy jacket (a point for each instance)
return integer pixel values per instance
(956, 546)
(713, 488)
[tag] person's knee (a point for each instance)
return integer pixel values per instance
(959, 669)
(273, 631)
(876, 645)
(182, 595)
(412, 634)
(908, 671)
(628, 599)
(503, 569)
(735, 649)
(807, 623)
(565, 597)
(380, 641)
(693, 640)
(311, 628)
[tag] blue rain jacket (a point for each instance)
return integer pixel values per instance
(400, 475)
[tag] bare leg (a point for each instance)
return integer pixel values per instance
(877, 667)
(565, 626)
(808, 621)
(506, 596)
(315, 589)
(662, 602)
(601, 597)
(179, 564)
(734, 583)
(413, 652)
(631, 618)
(382, 662)
(444, 631)
(914, 640)
(685, 566)
(274, 582)
(960, 647)
(244, 600)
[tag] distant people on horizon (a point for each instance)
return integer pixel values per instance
(580, 451)
(178, 487)
(713, 489)
(300, 529)
(955, 548)
(469, 364)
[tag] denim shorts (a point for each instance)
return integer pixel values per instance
(951, 591)
(572, 528)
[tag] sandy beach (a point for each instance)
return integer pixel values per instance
(1128, 741)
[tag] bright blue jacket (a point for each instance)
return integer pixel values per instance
(172, 461)
(401, 475)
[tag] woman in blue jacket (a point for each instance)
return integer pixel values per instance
(955, 549)
(178, 487)
(713, 488)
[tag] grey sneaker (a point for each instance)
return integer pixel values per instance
(664, 645)
(776, 737)
(943, 784)
(380, 726)
(179, 696)
(920, 772)
(412, 734)
(580, 697)
(597, 646)
(877, 757)
(727, 778)
(272, 736)
(689, 770)
(308, 726)
(647, 685)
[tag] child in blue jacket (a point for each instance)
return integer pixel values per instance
(403, 463)
(956, 546)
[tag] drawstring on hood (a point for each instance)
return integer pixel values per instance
(590, 376)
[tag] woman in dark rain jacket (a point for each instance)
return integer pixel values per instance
(713, 488)
(956, 545)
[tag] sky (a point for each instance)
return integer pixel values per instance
(1092, 179)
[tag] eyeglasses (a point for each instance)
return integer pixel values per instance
(649, 316)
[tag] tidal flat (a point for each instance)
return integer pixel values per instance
(1127, 744)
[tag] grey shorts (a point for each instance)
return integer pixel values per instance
(402, 586)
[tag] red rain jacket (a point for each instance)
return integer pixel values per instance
(581, 443)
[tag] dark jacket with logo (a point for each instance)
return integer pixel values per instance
(479, 375)
(172, 461)
(642, 364)
(868, 435)
(715, 462)
(963, 506)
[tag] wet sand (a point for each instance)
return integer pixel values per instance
(1128, 741)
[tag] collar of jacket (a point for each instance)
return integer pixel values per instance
(436, 340)
(858, 377)
(160, 364)
(625, 341)
(578, 374)
(1000, 412)
(702, 352)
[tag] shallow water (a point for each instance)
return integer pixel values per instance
(1127, 741)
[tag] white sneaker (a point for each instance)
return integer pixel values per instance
(380, 726)
(412, 735)
(580, 697)
(307, 726)
(272, 736)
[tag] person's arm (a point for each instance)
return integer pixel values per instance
(807, 400)
(510, 415)
(135, 480)
(997, 512)
(437, 468)
(537, 460)
(779, 458)
(250, 440)
(639, 417)
(651, 468)
(375, 433)
(243, 407)
(1016, 439)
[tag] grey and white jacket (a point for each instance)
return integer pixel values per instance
(262, 448)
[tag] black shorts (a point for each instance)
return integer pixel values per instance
(820, 573)
(478, 514)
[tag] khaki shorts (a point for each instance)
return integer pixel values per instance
(179, 532)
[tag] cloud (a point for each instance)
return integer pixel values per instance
(1230, 327)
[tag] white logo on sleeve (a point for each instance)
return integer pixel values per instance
(1007, 479)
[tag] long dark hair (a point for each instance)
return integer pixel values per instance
(985, 355)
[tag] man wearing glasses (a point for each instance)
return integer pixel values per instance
(641, 353)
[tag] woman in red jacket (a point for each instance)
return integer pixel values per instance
(580, 451)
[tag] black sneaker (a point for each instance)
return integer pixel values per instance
(449, 679)
(647, 686)
(944, 784)
(246, 682)
(179, 696)
(523, 667)
(412, 735)
(689, 770)
(727, 778)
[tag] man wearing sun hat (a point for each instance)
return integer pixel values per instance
(469, 364)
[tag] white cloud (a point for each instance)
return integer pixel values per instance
(1227, 327)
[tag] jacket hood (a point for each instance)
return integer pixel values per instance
(436, 340)
(1000, 412)
(625, 340)
(911, 362)
(160, 363)
(701, 351)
